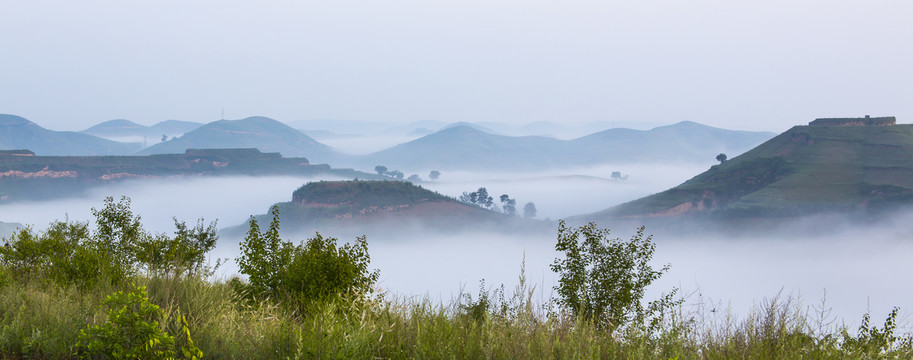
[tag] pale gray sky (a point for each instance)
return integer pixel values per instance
(755, 65)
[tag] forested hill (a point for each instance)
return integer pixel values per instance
(805, 170)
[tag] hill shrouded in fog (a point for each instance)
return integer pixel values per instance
(464, 147)
(805, 170)
(17, 132)
(259, 132)
(122, 128)
(359, 207)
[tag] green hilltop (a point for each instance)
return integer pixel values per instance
(362, 207)
(831, 165)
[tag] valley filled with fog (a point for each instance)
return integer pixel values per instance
(858, 267)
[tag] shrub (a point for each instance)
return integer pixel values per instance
(320, 269)
(67, 253)
(57, 255)
(603, 280)
(315, 270)
(870, 342)
(117, 235)
(264, 256)
(185, 253)
(133, 330)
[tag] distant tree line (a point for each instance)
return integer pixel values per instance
(384, 171)
(482, 199)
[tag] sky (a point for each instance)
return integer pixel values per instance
(751, 65)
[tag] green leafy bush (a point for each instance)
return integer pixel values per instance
(313, 271)
(870, 342)
(320, 269)
(58, 255)
(68, 253)
(603, 280)
(264, 257)
(185, 253)
(117, 235)
(133, 331)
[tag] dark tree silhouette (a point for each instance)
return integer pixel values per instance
(381, 170)
(529, 210)
(721, 158)
(509, 205)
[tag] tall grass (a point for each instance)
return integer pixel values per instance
(42, 321)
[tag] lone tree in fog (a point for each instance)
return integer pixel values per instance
(397, 174)
(529, 210)
(434, 175)
(721, 158)
(414, 178)
(509, 205)
(616, 175)
(381, 170)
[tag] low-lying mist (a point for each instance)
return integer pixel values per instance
(231, 200)
(860, 267)
(560, 194)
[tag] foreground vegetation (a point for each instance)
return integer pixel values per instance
(119, 292)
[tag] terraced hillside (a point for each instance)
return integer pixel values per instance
(807, 169)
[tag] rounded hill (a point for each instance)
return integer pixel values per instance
(363, 207)
(805, 170)
(17, 132)
(258, 132)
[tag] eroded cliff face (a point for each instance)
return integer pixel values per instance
(125, 176)
(44, 173)
(24, 176)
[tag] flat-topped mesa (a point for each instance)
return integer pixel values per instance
(866, 121)
(22, 152)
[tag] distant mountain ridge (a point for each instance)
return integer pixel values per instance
(125, 128)
(17, 132)
(458, 146)
(468, 148)
(805, 170)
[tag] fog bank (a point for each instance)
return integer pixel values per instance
(860, 266)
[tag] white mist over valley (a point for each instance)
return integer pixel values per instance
(860, 268)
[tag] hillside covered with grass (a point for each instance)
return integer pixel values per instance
(807, 169)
